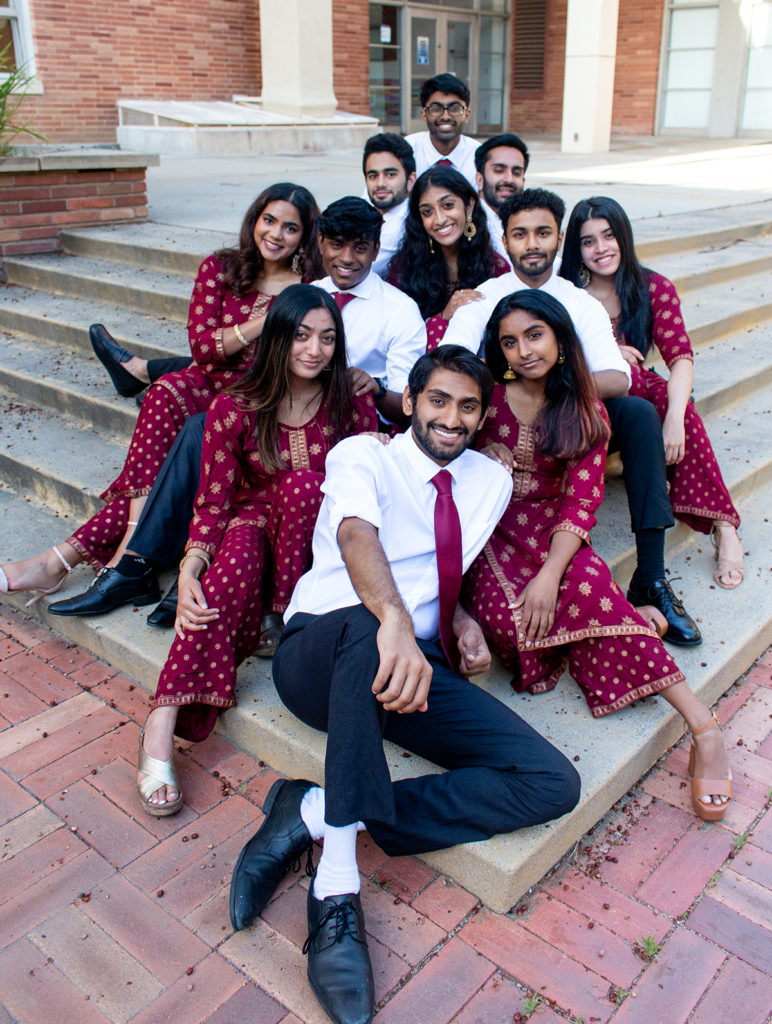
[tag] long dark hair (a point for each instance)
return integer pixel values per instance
(569, 422)
(423, 274)
(267, 381)
(631, 281)
(242, 266)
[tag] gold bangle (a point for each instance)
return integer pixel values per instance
(239, 335)
(195, 554)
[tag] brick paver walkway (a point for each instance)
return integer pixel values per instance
(109, 915)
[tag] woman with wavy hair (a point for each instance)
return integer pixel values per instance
(599, 255)
(540, 593)
(446, 249)
(233, 291)
(265, 444)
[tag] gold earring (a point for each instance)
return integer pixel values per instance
(431, 246)
(584, 276)
(298, 263)
(470, 228)
(561, 357)
(509, 374)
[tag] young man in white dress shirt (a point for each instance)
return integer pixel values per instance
(385, 332)
(501, 163)
(532, 236)
(389, 168)
(360, 660)
(445, 109)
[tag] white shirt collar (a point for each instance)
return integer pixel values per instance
(423, 467)
(363, 290)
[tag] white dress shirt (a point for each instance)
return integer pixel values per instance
(385, 332)
(391, 236)
(591, 320)
(462, 157)
(495, 229)
(389, 486)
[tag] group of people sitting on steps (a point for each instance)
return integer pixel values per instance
(386, 451)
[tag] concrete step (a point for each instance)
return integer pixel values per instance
(711, 313)
(657, 237)
(611, 755)
(154, 246)
(716, 264)
(135, 288)
(64, 320)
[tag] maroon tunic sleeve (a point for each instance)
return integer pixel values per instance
(667, 325)
(500, 265)
(226, 430)
(213, 307)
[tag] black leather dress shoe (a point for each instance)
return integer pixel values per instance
(339, 967)
(164, 614)
(681, 627)
(112, 355)
(278, 843)
(110, 590)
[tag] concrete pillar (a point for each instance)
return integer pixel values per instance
(588, 86)
(296, 51)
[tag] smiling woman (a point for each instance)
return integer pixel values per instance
(446, 250)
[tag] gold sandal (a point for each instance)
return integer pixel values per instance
(36, 591)
(708, 787)
(725, 565)
(157, 773)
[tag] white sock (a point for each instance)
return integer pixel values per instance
(337, 871)
(312, 812)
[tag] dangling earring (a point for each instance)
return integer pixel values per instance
(431, 246)
(298, 262)
(584, 276)
(561, 357)
(470, 228)
(509, 374)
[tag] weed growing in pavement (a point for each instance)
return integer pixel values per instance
(531, 1003)
(647, 947)
(739, 841)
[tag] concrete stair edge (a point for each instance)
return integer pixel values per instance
(650, 249)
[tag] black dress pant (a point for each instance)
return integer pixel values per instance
(501, 774)
(158, 367)
(637, 435)
(162, 529)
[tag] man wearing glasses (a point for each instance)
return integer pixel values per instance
(445, 109)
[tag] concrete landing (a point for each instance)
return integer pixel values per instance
(198, 128)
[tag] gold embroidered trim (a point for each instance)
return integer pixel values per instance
(218, 343)
(84, 553)
(524, 460)
(261, 304)
(177, 395)
(566, 527)
(680, 355)
(171, 700)
(647, 690)
(702, 513)
(298, 446)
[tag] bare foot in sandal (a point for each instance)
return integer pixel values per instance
(729, 556)
(159, 788)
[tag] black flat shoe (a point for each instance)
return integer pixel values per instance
(110, 590)
(339, 967)
(165, 613)
(265, 860)
(111, 355)
(681, 627)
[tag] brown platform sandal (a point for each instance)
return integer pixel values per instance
(708, 787)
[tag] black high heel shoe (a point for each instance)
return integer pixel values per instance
(112, 355)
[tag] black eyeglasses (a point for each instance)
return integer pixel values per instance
(454, 109)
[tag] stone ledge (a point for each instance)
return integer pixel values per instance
(29, 159)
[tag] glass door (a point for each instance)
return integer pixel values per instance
(437, 43)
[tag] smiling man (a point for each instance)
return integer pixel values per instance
(445, 109)
(388, 164)
(377, 646)
(501, 163)
(385, 332)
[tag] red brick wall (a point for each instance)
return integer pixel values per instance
(635, 81)
(91, 52)
(351, 55)
(35, 207)
(542, 110)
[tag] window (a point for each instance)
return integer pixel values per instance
(15, 29)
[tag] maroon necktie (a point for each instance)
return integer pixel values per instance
(342, 299)
(443, 163)
(447, 540)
